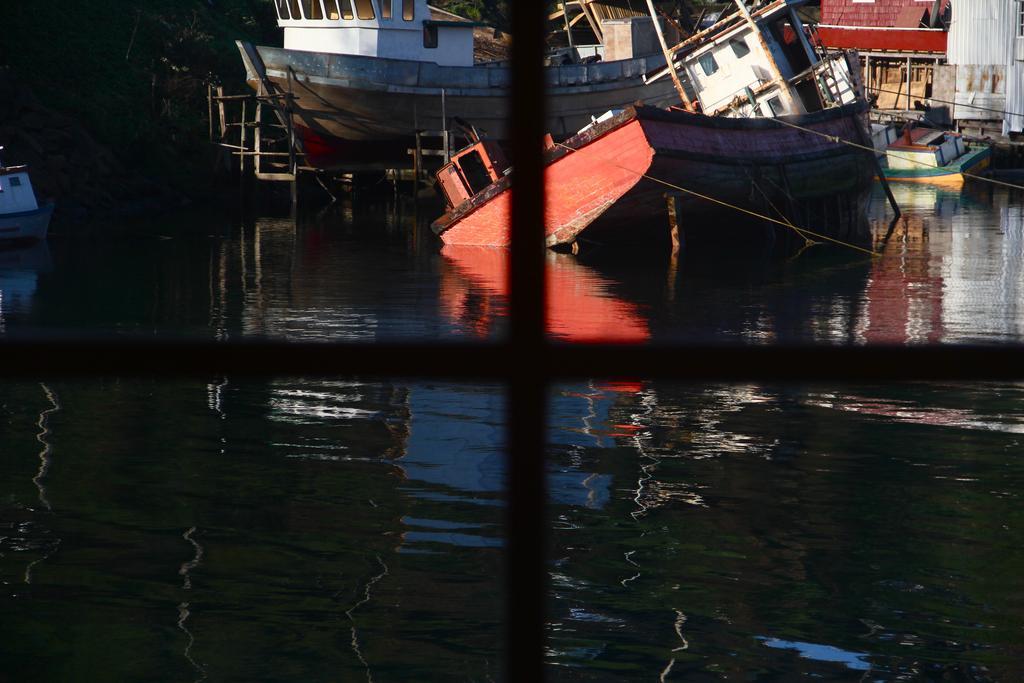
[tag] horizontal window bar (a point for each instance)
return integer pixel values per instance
(543, 362)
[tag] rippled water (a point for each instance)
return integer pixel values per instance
(338, 529)
(952, 270)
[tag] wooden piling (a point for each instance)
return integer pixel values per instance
(292, 163)
(244, 139)
(209, 106)
(257, 142)
(677, 235)
(417, 162)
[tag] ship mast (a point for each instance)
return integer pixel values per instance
(669, 58)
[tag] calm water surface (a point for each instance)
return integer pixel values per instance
(317, 529)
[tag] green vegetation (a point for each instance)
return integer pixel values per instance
(135, 74)
(496, 13)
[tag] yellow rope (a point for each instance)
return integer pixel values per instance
(799, 231)
(838, 140)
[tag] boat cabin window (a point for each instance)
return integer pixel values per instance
(739, 47)
(346, 9)
(364, 9)
(475, 172)
(294, 6)
(385, 9)
(775, 104)
(429, 36)
(311, 9)
(408, 9)
(332, 9)
(15, 181)
(282, 9)
(708, 64)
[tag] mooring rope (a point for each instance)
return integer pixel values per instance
(840, 141)
(720, 202)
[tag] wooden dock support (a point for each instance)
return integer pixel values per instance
(421, 151)
(417, 162)
(674, 202)
(243, 135)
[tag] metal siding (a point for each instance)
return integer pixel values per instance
(982, 43)
(982, 32)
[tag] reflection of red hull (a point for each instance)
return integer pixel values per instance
(611, 180)
(580, 307)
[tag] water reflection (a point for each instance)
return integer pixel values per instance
(950, 271)
(354, 526)
(814, 534)
(19, 277)
(325, 539)
(581, 306)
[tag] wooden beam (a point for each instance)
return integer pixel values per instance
(669, 57)
(595, 25)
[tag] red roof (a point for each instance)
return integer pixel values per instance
(877, 14)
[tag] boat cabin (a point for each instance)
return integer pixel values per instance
(760, 61)
(472, 170)
(16, 195)
(392, 29)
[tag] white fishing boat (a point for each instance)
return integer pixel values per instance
(364, 75)
(21, 217)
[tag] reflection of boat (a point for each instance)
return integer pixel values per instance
(19, 277)
(364, 82)
(777, 113)
(580, 307)
(923, 155)
(21, 217)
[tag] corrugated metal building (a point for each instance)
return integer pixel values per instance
(986, 46)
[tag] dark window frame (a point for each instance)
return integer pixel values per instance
(739, 44)
(430, 36)
(526, 362)
(708, 64)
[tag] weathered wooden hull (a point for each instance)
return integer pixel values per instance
(27, 226)
(611, 182)
(352, 104)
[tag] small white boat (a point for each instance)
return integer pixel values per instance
(21, 217)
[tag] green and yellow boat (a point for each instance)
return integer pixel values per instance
(922, 155)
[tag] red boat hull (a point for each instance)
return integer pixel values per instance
(609, 184)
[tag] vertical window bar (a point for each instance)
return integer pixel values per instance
(526, 588)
